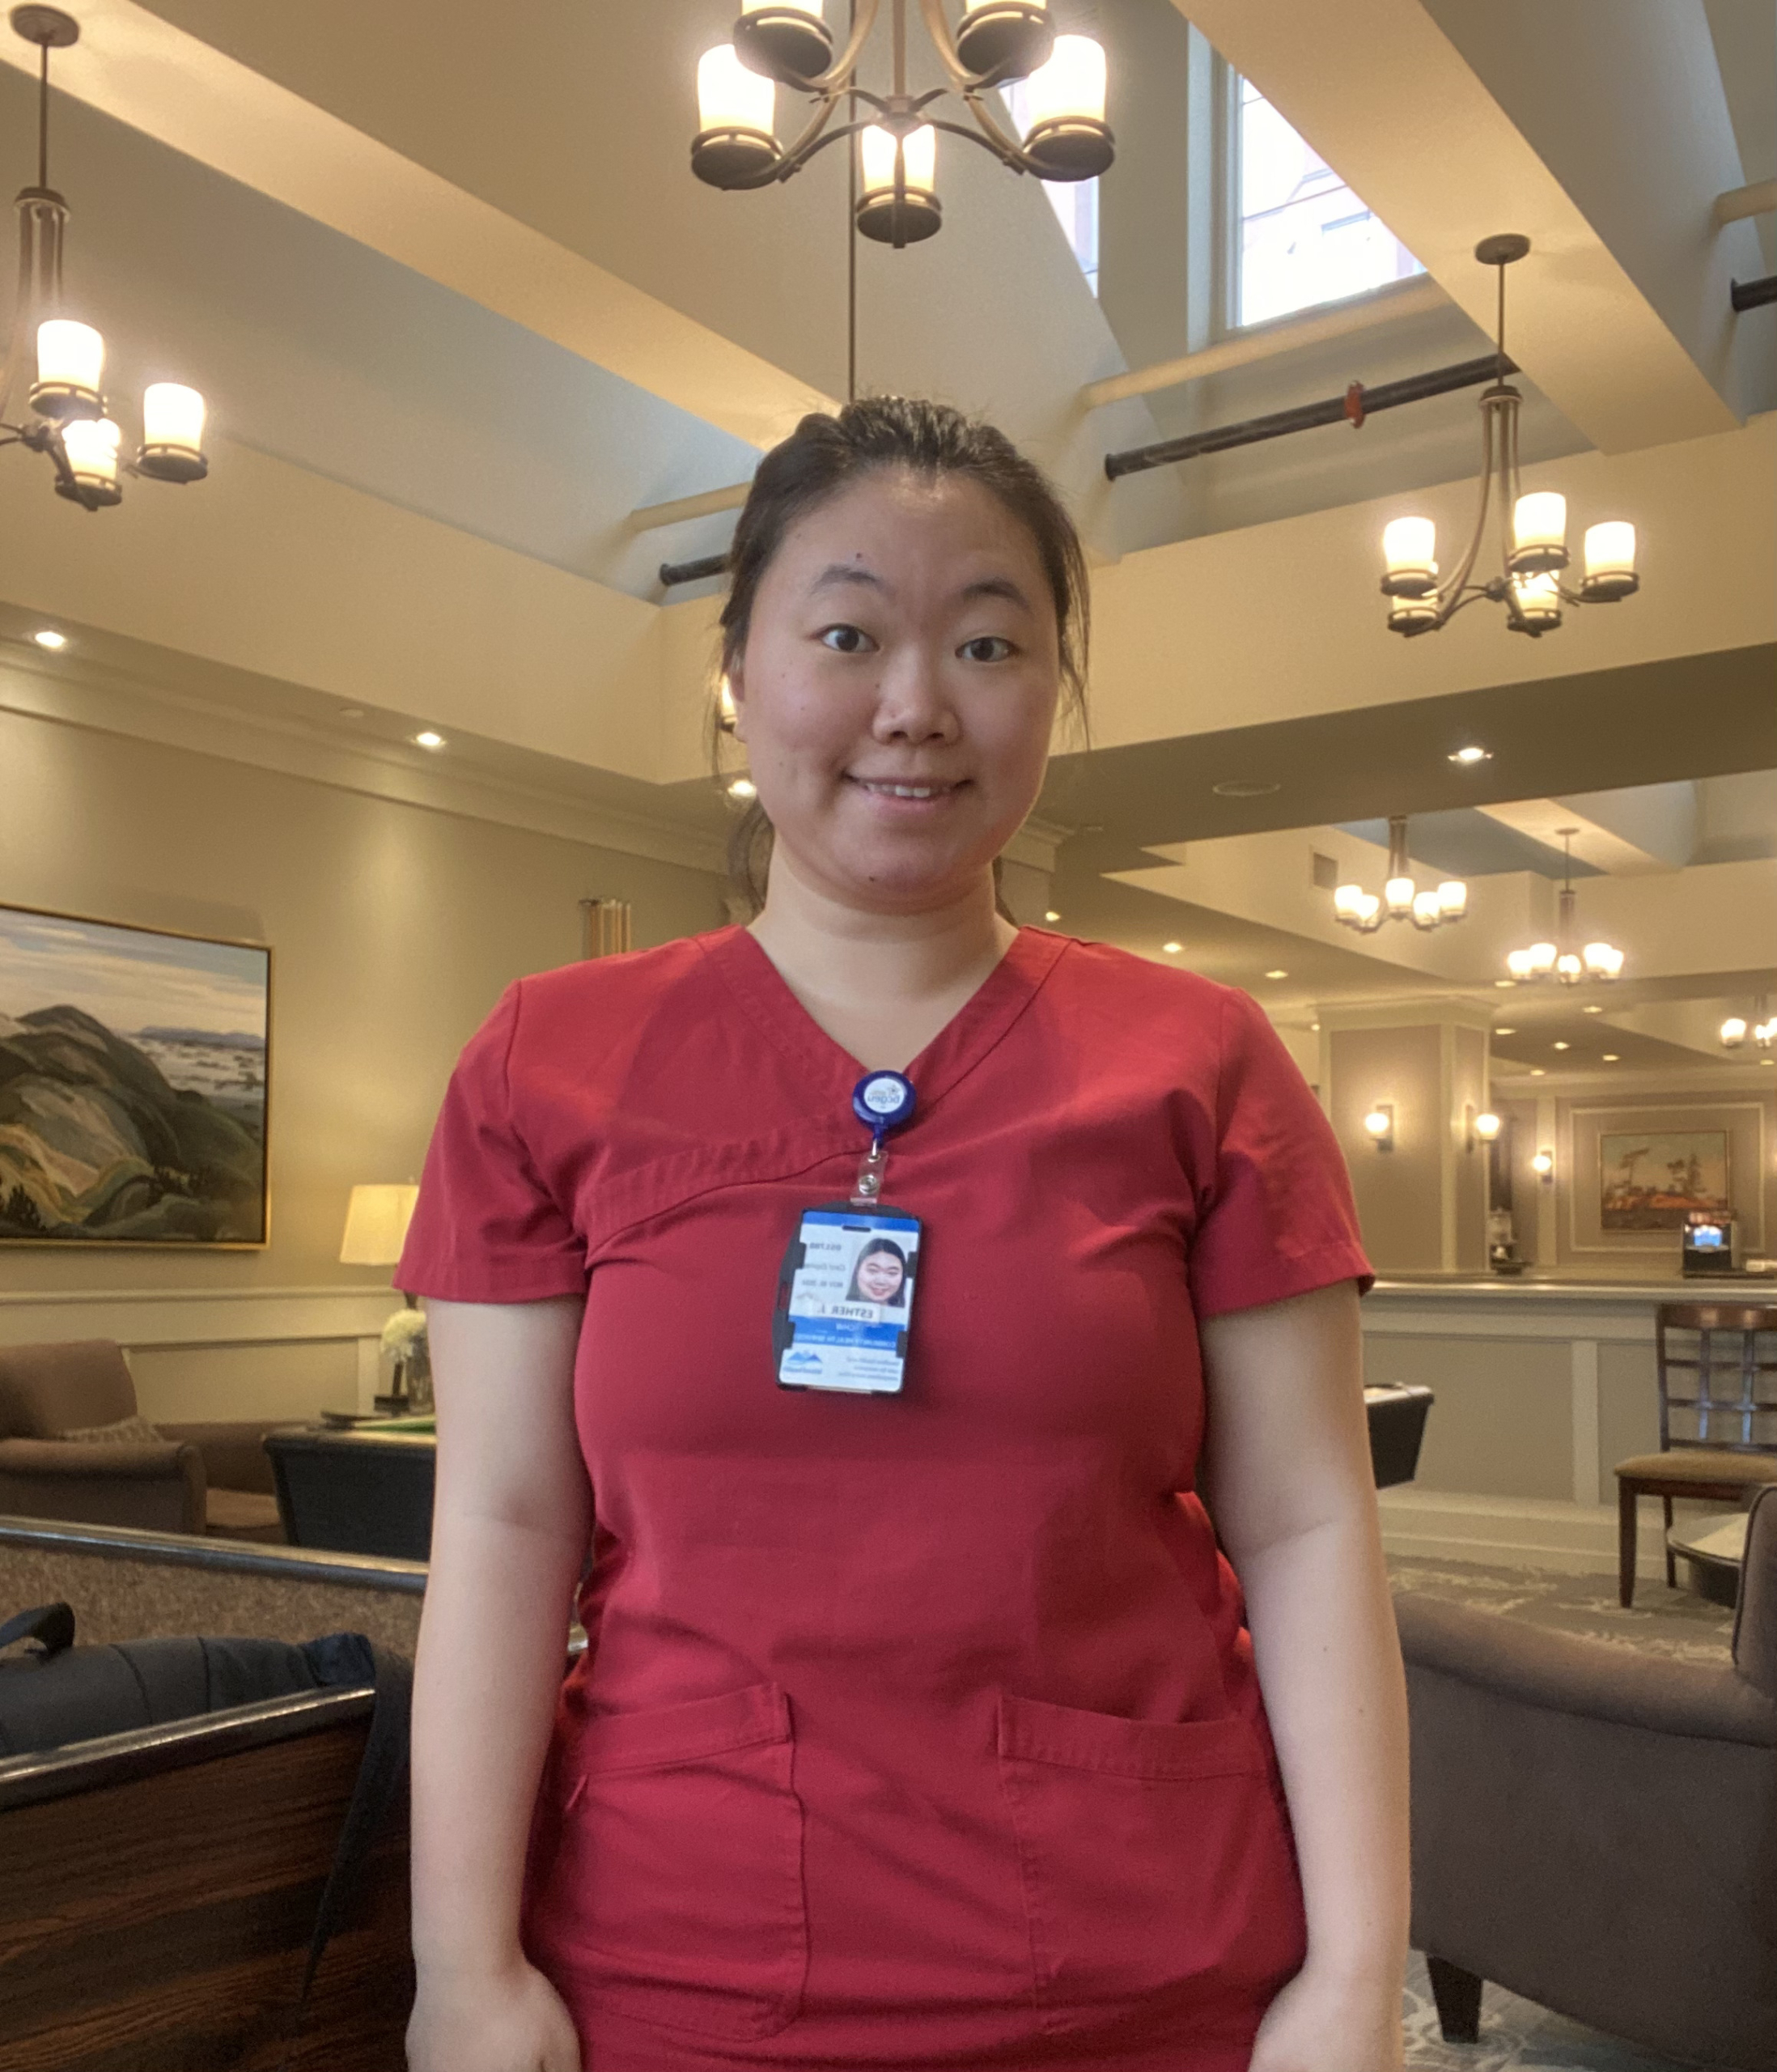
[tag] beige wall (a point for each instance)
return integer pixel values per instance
(1398, 1191)
(393, 929)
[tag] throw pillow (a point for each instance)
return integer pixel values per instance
(126, 1432)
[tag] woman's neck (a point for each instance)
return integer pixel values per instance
(881, 985)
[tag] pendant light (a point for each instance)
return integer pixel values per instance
(1401, 899)
(70, 425)
(1065, 135)
(1532, 525)
(1559, 960)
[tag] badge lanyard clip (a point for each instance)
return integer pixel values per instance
(882, 1101)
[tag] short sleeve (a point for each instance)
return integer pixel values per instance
(486, 1229)
(1277, 1218)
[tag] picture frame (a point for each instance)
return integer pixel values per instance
(134, 1084)
(1654, 1179)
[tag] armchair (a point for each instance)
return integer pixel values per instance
(1596, 1829)
(195, 1478)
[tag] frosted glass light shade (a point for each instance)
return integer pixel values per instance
(70, 367)
(1602, 960)
(1070, 86)
(1733, 1032)
(376, 1220)
(1371, 909)
(1398, 892)
(817, 8)
(1427, 913)
(1568, 968)
(1544, 1165)
(730, 97)
(1487, 1126)
(1538, 599)
(1518, 964)
(1541, 957)
(1409, 557)
(1348, 902)
(1379, 1121)
(1610, 561)
(920, 158)
(90, 444)
(1452, 899)
(172, 415)
(1539, 531)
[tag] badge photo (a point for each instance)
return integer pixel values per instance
(845, 1300)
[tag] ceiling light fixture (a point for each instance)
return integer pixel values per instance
(1610, 1058)
(1559, 960)
(428, 739)
(71, 426)
(1401, 899)
(1277, 974)
(47, 636)
(1379, 1125)
(1066, 136)
(1505, 1032)
(1471, 754)
(742, 787)
(1533, 526)
(1172, 948)
(1763, 1030)
(1244, 787)
(1051, 915)
(1559, 1046)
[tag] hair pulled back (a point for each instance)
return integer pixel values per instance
(828, 454)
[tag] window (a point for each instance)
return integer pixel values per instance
(1303, 237)
(1075, 201)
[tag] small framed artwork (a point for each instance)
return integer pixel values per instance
(1653, 1179)
(133, 1084)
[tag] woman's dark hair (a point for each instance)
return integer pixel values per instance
(826, 455)
(890, 1249)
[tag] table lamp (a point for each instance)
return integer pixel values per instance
(376, 1220)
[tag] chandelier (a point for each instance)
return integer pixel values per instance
(1065, 135)
(1763, 1031)
(1559, 960)
(70, 426)
(1401, 899)
(1532, 528)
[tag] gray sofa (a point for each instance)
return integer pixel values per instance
(1595, 1828)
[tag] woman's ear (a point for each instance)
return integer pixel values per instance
(737, 699)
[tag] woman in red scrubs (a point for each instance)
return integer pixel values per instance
(932, 1723)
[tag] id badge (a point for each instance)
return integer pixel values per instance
(845, 1300)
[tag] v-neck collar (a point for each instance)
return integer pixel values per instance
(975, 1028)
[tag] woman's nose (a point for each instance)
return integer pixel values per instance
(911, 703)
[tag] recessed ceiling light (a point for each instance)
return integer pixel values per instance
(742, 787)
(1471, 754)
(1052, 915)
(1277, 974)
(1560, 1047)
(1505, 985)
(1594, 1010)
(428, 739)
(1503, 1031)
(1768, 1061)
(1610, 1057)
(46, 636)
(1314, 1028)
(1172, 948)
(350, 712)
(1244, 787)
(1536, 1072)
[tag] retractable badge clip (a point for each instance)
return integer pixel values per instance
(882, 1101)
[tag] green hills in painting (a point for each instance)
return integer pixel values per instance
(96, 1142)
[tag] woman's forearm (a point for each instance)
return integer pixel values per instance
(492, 1650)
(1329, 1667)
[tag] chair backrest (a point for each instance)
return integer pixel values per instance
(1725, 1389)
(46, 1390)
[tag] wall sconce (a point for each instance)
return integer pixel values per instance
(1543, 1165)
(1483, 1128)
(1379, 1125)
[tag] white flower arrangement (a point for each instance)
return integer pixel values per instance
(404, 1337)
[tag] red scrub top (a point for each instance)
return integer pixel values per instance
(916, 1730)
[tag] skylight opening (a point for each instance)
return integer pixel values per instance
(1303, 237)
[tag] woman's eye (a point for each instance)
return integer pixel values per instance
(986, 648)
(847, 640)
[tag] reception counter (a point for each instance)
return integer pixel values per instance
(1542, 1385)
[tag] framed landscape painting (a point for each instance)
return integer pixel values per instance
(133, 1084)
(1652, 1179)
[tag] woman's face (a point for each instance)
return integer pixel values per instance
(897, 689)
(878, 1277)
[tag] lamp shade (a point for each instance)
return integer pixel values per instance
(1409, 557)
(919, 160)
(70, 366)
(730, 97)
(1609, 560)
(1539, 531)
(376, 1220)
(1071, 86)
(172, 415)
(1452, 899)
(1487, 1126)
(90, 444)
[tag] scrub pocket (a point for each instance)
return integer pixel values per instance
(1157, 1863)
(675, 1893)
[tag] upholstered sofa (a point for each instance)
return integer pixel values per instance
(1596, 1828)
(212, 1478)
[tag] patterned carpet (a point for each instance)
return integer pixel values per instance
(1516, 2035)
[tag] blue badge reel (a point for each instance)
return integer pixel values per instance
(846, 1287)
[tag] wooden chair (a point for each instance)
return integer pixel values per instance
(1732, 1448)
